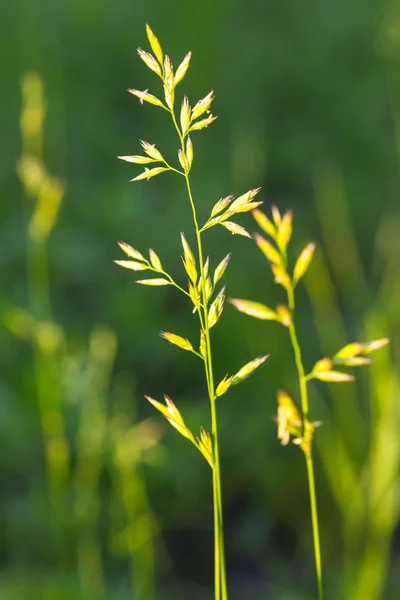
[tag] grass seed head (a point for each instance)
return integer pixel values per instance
(130, 264)
(284, 315)
(203, 123)
(235, 229)
(332, 376)
(189, 152)
(266, 225)
(173, 416)
(144, 96)
(303, 262)
(276, 215)
(248, 369)
(202, 105)
(349, 351)
(177, 340)
(182, 69)
(288, 418)
(152, 151)
(223, 385)
(189, 261)
(369, 347)
(216, 308)
(185, 115)
(355, 361)
(154, 44)
(285, 229)
(155, 260)
(268, 249)
(221, 205)
(131, 252)
(221, 268)
(254, 309)
(138, 160)
(149, 173)
(154, 282)
(325, 364)
(203, 346)
(150, 61)
(205, 446)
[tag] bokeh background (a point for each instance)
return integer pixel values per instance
(99, 497)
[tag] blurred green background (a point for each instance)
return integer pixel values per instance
(99, 497)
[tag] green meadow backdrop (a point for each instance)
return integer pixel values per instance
(99, 498)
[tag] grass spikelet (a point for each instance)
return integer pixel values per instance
(235, 228)
(202, 106)
(221, 268)
(150, 61)
(303, 262)
(268, 250)
(264, 223)
(177, 340)
(144, 96)
(181, 70)
(149, 173)
(155, 44)
(131, 264)
(154, 282)
(216, 308)
(333, 376)
(137, 159)
(224, 385)
(131, 252)
(248, 369)
(155, 261)
(254, 309)
(221, 205)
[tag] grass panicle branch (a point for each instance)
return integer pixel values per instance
(207, 302)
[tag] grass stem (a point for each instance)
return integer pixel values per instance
(307, 452)
(219, 557)
(219, 549)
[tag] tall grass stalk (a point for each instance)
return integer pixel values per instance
(292, 421)
(201, 286)
(43, 197)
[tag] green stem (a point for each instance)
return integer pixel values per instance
(219, 550)
(307, 452)
(173, 169)
(220, 573)
(298, 359)
(314, 519)
(48, 389)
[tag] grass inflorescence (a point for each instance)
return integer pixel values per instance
(294, 421)
(207, 301)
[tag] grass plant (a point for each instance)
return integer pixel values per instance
(43, 198)
(294, 420)
(72, 385)
(202, 284)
